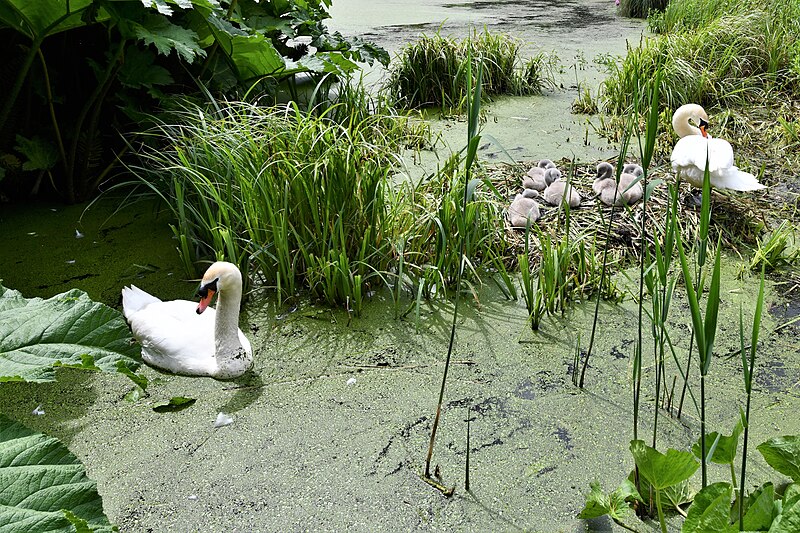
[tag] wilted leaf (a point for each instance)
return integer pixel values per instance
(710, 510)
(66, 330)
(783, 454)
(43, 487)
(177, 403)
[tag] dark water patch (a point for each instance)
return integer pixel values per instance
(562, 434)
(772, 375)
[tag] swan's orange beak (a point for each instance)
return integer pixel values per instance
(703, 131)
(205, 301)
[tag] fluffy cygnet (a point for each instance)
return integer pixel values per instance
(524, 208)
(558, 189)
(535, 179)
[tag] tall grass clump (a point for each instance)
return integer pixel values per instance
(431, 72)
(299, 196)
(727, 57)
(430, 216)
(640, 8)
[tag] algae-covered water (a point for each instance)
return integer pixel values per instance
(331, 428)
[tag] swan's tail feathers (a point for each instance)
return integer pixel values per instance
(135, 299)
(742, 181)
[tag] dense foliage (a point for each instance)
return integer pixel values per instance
(76, 74)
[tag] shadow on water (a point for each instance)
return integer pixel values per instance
(247, 390)
(65, 403)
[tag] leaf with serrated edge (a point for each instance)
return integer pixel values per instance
(41, 479)
(68, 329)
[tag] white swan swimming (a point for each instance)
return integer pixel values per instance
(628, 192)
(557, 190)
(535, 179)
(189, 338)
(524, 208)
(689, 155)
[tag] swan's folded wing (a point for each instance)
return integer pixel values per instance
(720, 155)
(174, 337)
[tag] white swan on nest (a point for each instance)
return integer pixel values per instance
(189, 338)
(689, 155)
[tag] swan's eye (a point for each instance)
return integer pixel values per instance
(211, 286)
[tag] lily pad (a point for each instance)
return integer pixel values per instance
(68, 329)
(44, 486)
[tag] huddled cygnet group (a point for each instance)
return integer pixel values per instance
(545, 182)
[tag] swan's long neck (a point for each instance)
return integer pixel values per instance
(680, 120)
(230, 354)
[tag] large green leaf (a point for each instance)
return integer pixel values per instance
(663, 470)
(68, 329)
(783, 454)
(43, 487)
(725, 452)
(42, 17)
(759, 509)
(789, 519)
(710, 510)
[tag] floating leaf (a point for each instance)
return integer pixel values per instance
(68, 329)
(710, 510)
(616, 504)
(44, 487)
(176, 403)
(663, 470)
(783, 454)
(140, 381)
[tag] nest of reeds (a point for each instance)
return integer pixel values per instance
(738, 218)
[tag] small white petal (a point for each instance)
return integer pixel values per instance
(70, 261)
(351, 381)
(223, 420)
(38, 411)
(78, 234)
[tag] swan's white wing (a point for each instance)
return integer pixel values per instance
(720, 155)
(134, 299)
(174, 337)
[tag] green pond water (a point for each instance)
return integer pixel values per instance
(309, 449)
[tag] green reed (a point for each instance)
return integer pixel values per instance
(301, 196)
(728, 59)
(432, 71)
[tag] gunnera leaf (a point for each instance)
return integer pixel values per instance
(44, 486)
(68, 329)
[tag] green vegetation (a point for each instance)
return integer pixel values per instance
(431, 72)
(45, 487)
(91, 69)
(641, 8)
